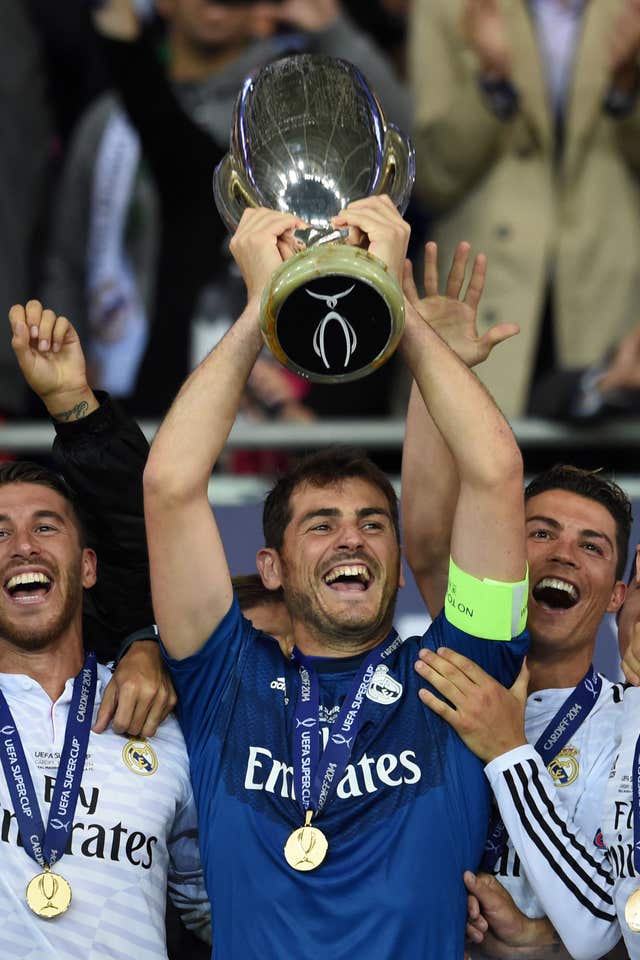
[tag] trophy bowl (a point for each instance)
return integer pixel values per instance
(308, 137)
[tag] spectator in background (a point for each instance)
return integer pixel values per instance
(386, 21)
(75, 71)
(527, 140)
(610, 388)
(24, 117)
(130, 252)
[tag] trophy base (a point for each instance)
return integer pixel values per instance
(332, 313)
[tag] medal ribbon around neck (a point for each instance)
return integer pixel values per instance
(47, 847)
(636, 807)
(566, 722)
(316, 776)
(632, 906)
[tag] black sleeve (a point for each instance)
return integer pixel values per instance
(102, 457)
(182, 156)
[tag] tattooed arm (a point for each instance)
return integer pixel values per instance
(51, 359)
(101, 452)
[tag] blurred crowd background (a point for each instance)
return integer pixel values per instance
(525, 120)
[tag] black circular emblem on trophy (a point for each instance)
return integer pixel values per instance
(332, 328)
(309, 137)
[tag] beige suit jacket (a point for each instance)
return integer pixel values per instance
(499, 185)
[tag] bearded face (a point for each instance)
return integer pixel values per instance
(340, 564)
(43, 568)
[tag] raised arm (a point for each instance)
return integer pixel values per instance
(427, 464)
(190, 580)
(430, 484)
(457, 431)
(101, 452)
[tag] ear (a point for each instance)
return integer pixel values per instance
(401, 578)
(89, 567)
(617, 596)
(269, 567)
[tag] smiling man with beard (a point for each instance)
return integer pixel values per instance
(314, 774)
(41, 588)
(92, 826)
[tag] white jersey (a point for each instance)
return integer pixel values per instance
(617, 818)
(134, 827)
(579, 772)
(556, 835)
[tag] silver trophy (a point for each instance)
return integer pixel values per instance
(308, 137)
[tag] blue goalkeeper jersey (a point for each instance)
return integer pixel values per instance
(409, 815)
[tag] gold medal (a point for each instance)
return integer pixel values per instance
(306, 847)
(632, 911)
(48, 894)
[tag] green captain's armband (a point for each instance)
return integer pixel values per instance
(486, 608)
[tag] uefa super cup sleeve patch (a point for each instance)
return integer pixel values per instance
(486, 608)
(140, 757)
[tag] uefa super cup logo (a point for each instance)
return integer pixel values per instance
(48, 888)
(306, 842)
(351, 340)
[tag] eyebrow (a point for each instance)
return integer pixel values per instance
(334, 513)
(38, 515)
(590, 534)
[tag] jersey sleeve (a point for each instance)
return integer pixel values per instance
(203, 680)
(185, 881)
(102, 457)
(501, 659)
(571, 877)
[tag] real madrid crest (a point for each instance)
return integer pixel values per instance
(383, 688)
(564, 768)
(140, 757)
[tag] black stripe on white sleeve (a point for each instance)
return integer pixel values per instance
(582, 852)
(568, 862)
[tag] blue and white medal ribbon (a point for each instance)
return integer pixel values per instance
(49, 894)
(316, 775)
(567, 720)
(571, 715)
(632, 906)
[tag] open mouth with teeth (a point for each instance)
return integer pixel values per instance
(28, 587)
(555, 594)
(348, 578)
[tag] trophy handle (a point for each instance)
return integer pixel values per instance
(399, 168)
(231, 193)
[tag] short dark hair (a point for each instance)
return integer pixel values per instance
(251, 592)
(25, 471)
(322, 469)
(593, 485)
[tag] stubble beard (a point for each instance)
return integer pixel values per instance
(337, 635)
(31, 639)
